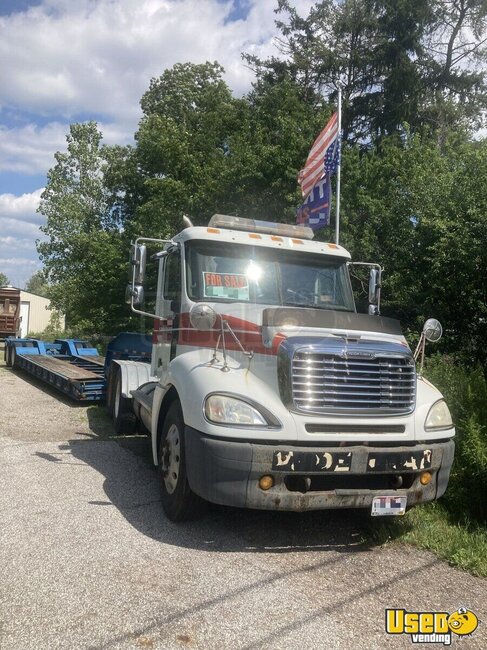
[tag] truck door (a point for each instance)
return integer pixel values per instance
(167, 336)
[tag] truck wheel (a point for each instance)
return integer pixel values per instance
(178, 500)
(110, 384)
(7, 356)
(123, 416)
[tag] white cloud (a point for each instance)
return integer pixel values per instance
(67, 60)
(30, 149)
(18, 269)
(63, 61)
(18, 261)
(19, 229)
(98, 57)
(15, 244)
(16, 228)
(22, 207)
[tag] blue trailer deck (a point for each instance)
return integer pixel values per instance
(71, 366)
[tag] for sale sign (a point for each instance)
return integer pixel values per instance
(233, 286)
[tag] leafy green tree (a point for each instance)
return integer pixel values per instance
(397, 61)
(37, 284)
(201, 151)
(4, 281)
(419, 209)
(182, 144)
(83, 256)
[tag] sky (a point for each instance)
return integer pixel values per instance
(65, 61)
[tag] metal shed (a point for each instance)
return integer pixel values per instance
(35, 312)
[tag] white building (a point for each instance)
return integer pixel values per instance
(35, 312)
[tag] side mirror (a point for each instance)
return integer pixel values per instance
(374, 291)
(374, 285)
(432, 330)
(138, 258)
(134, 294)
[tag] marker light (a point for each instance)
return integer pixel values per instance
(425, 478)
(266, 482)
(262, 227)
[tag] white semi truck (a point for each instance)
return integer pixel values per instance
(266, 389)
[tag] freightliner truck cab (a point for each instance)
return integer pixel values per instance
(266, 388)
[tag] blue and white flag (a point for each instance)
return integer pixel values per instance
(315, 211)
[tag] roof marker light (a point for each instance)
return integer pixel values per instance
(262, 227)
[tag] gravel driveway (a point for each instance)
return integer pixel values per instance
(88, 560)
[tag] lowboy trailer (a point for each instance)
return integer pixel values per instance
(71, 366)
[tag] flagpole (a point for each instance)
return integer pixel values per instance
(337, 220)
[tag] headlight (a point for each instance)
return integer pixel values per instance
(224, 409)
(438, 417)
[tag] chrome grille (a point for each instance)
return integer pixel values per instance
(369, 383)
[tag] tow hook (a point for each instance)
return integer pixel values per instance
(303, 484)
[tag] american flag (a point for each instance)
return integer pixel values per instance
(323, 157)
(315, 211)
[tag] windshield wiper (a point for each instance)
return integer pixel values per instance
(310, 306)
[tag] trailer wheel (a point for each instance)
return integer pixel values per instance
(178, 500)
(10, 355)
(123, 416)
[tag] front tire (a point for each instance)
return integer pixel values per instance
(178, 500)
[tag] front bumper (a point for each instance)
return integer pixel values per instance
(228, 472)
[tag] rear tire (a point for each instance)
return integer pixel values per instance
(180, 503)
(7, 356)
(123, 417)
(109, 390)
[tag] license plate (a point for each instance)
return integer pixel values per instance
(388, 506)
(403, 461)
(285, 460)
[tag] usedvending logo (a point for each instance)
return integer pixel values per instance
(431, 627)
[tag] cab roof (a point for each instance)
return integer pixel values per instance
(226, 235)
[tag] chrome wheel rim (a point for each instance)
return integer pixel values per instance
(171, 459)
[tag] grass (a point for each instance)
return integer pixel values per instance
(463, 545)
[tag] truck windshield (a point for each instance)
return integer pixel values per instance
(220, 272)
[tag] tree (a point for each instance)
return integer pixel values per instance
(182, 145)
(4, 281)
(418, 208)
(84, 256)
(397, 61)
(201, 151)
(37, 284)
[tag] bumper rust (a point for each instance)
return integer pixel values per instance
(227, 472)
